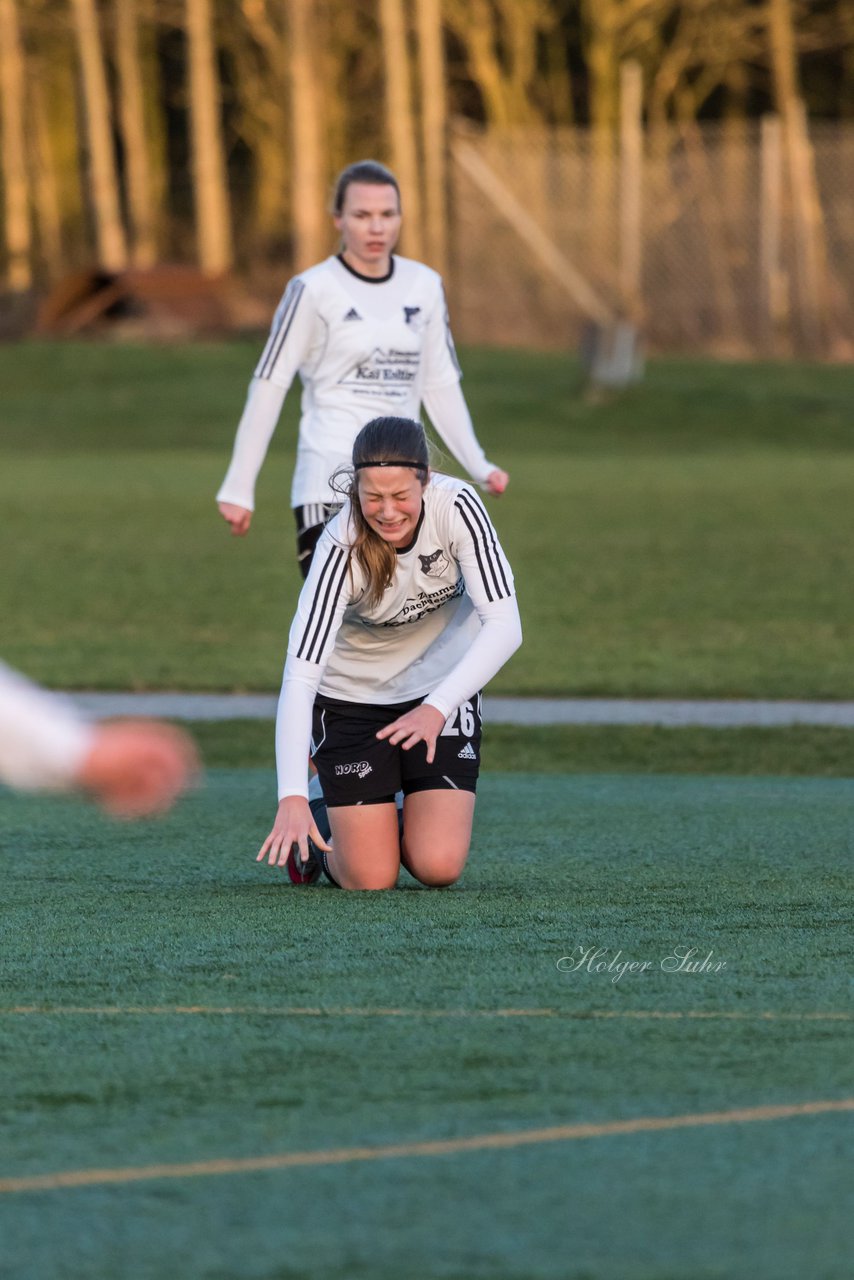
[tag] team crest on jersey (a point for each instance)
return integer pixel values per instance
(434, 565)
(411, 316)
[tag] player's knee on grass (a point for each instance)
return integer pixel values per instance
(437, 828)
(437, 861)
(365, 881)
(438, 868)
(362, 874)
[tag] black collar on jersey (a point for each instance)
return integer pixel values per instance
(367, 279)
(401, 551)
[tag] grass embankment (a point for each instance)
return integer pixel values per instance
(642, 749)
(691, 537)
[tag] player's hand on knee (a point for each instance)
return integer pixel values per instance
(421, 724)
(239, 518)
(293, 825)
(497, 481)
(138, 767)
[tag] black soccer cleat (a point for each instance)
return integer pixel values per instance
(308, 872)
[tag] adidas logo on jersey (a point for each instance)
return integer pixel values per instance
(352, 314)
(467, 753)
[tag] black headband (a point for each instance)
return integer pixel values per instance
(392, 462)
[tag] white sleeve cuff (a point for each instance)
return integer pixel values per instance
(260, 415)
(449, 414)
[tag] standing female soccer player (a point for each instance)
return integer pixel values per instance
(408, 610)
(368, 333)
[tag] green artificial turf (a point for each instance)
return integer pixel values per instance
(178, 914)
(690, 537)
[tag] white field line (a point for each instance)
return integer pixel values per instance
(345, 1011)
(411, 1150)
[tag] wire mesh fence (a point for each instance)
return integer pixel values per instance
(739, 238)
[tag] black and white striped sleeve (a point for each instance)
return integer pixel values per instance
(489, 583)
(289, 342)
(321, 604)
(290, 336)
(487, 574)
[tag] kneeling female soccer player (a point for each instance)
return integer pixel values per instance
(409, 609)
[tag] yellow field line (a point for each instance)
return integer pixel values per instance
(449, 1146)
(346, 1011)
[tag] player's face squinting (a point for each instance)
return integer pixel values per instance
(369, 224)
(390, 498)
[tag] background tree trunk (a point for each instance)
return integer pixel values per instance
(473, 24)
(810, 250)
(45, 183)
(261, 84)
(400, 123)
(307, 151)
(15, 184)
(434, 121)
(603, 67)
(136, 148)
(110, 235)
(210, 182)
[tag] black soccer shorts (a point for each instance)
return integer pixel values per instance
(357, 767)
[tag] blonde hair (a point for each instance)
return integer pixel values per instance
(389, 442)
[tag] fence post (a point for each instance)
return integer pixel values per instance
(631, 187)
(809, 231)
(773, 284)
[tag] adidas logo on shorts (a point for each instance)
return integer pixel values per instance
(467, 753)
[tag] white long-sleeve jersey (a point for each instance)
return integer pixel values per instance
(363, 349)
(43, 741)
(446, 624)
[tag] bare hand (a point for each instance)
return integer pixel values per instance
(293, 825)
(421, 724)
(497, 481)
(138, 767)
(238, 517)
